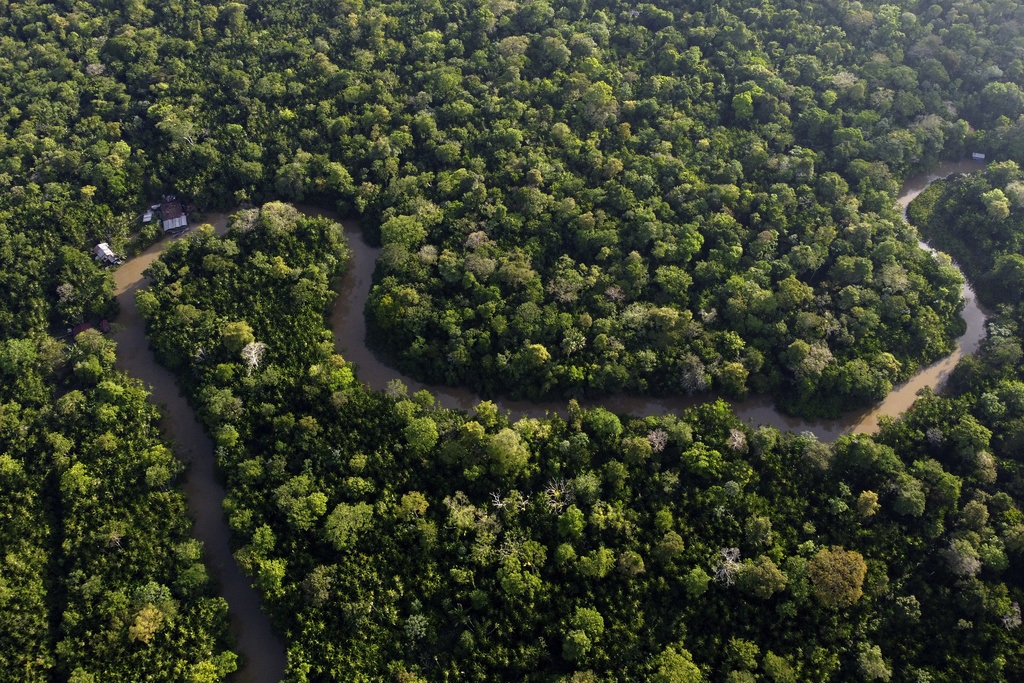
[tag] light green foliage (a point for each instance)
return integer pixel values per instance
(778, 669)
(421, 433)
(676, 666)
(576, 199)
(598, 563)
(996, 203)
(407, 231)
(344, 524)
(872, 665)
(696, 582)
(571, 523)
(236, 335)
(302, 505)
(507, 454)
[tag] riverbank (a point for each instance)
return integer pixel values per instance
(348, 325)
(263, 653)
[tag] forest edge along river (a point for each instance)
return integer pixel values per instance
(262, 651)
(350, 340)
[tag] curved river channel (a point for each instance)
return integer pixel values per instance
(350, 340)
(263, 653)
(262, 650)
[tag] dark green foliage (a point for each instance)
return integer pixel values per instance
(979, 219)
(485, 550)
(573, 198)
(100, 577)
(49, 283)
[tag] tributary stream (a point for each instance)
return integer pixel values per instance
(262, 650)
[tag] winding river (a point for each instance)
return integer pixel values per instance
(350, 341)
(262, 650)
(263, 653)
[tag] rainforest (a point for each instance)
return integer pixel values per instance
(569, 202)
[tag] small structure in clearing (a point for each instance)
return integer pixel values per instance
(977, 156)
(173, 216)
(105, 254)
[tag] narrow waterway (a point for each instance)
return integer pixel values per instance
(263, 653)
(349, 327)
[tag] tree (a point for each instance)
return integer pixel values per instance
(421, 434)
(585, 627)
(867, 504)
(778, 669)
(507, 454)
(407, 231)
(346, 522)
(237, 335)
(696, 582)
(670, 548)
(148, 622)
(413, 506)
(997, 205)
(571, 523)
(872, 665)
(252, 355)
(675, 666)
(837, 576)
(302, 505)
(597, 564)
(598, 104)
(760, 577)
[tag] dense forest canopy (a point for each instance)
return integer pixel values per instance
(980, 219)
(100, 580)
(395, 539)
(573, 198)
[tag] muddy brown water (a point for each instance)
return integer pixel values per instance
(350, 340)
(262, 651)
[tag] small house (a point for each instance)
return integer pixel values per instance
(978, 156)
(173, 216)
(147, 217)
(105, 254)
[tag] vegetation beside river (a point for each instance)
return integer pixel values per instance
(402, 540)
(573, 197)
(100, 577)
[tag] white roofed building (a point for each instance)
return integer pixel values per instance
(104, 253)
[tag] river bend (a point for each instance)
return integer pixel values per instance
(349, 328)
(262, 651)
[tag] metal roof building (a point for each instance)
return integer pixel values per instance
(173, 216)
(104, 253)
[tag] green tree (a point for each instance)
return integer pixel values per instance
(346, 522)
(837, 576)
